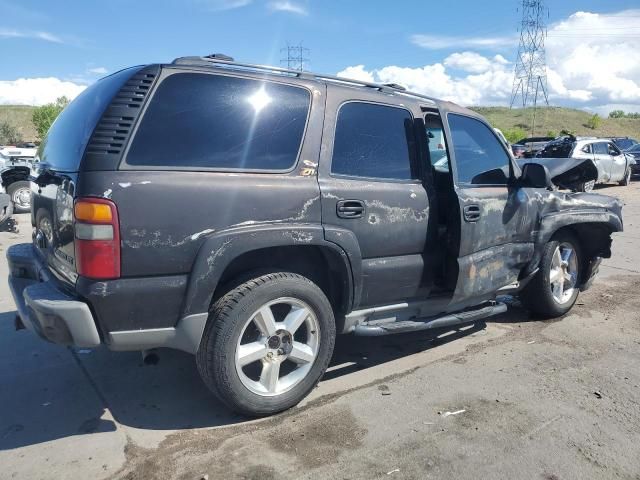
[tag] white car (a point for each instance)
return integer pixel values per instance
(16, 166)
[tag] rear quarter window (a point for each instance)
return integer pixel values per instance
(64, 144)
(204, 121)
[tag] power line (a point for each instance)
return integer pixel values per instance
(296, 57)
(530, 76)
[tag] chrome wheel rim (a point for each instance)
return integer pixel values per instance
(563, 275)
(22, 197)
(277, 347)
(588, 186)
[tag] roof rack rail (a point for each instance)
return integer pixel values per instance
(228, 62)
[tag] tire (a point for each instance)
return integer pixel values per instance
(627, 178)
(585, 186)
(539, 296)
(18, 192)
(236, 320)
(5, 214)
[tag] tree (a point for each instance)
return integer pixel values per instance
(9, 134)
(594, 121)
(617, 114)
(44, 116)
(514, 134)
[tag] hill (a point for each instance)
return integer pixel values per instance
(552, 120)
(20, 117)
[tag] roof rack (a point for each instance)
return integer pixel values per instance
(225, 61)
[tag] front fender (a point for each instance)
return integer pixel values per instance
(221, 248)
(551, 223)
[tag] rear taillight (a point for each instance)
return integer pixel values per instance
(97, 234)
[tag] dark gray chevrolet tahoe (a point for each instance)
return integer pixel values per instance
(249, 214)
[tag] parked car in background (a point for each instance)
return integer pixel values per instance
(593, 161)
(624, 143)
(532, 145)
(518, 150)
(634, 152)
(16, 166)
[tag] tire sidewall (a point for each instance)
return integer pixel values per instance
(225, 340)
(556, 309)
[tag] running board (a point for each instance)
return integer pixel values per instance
(380, 329)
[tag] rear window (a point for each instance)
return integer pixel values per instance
(64, 144)
(203, 121)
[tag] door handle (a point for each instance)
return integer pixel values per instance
(350, 208)
(471, 213)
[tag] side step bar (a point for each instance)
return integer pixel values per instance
(379, 329)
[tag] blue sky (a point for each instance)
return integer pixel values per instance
(77, 40)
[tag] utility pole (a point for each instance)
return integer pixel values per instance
(295, 57)
(530, 77)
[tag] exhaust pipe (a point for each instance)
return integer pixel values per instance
(150, 357)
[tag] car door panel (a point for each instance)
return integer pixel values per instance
(496, 219)
(388, 216)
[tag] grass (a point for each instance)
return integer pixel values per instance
(20, 117)
(554, 119)
(518, 121)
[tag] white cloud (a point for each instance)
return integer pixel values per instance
(288, 6)
(439, 42)
(592, 59)
(357, 72)
(98, 70)
(37, 35)
(37, 91)
(218, 5)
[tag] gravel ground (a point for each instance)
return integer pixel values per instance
(509, 398)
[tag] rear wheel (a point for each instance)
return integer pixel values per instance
(267, 343)
(20, 193)
(554, 289)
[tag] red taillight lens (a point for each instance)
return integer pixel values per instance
(97, 238)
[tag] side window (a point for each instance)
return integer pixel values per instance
(587, 148)
(198, 120)
(600, 148)
(374, 141)
(613, 150)
(480, 157)
(436, 142)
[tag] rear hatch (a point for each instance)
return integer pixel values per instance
(58, 165)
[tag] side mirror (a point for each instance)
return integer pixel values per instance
(535, 175)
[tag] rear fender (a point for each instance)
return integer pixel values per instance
(221, 248)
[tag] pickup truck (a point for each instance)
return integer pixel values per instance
(249, 214)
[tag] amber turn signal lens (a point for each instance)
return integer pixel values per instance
(93, 212)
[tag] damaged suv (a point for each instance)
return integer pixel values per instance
(316, 206)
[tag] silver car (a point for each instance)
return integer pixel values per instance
(583, 162)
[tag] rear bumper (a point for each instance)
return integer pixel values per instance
(43, 306)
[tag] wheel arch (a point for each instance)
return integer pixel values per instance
(232, 255)
(594, 225)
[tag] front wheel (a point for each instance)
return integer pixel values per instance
(585, 186)
(20, 193)
(267, 343)
(554, 289)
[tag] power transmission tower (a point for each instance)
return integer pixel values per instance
(296, 56)
(530, 79)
